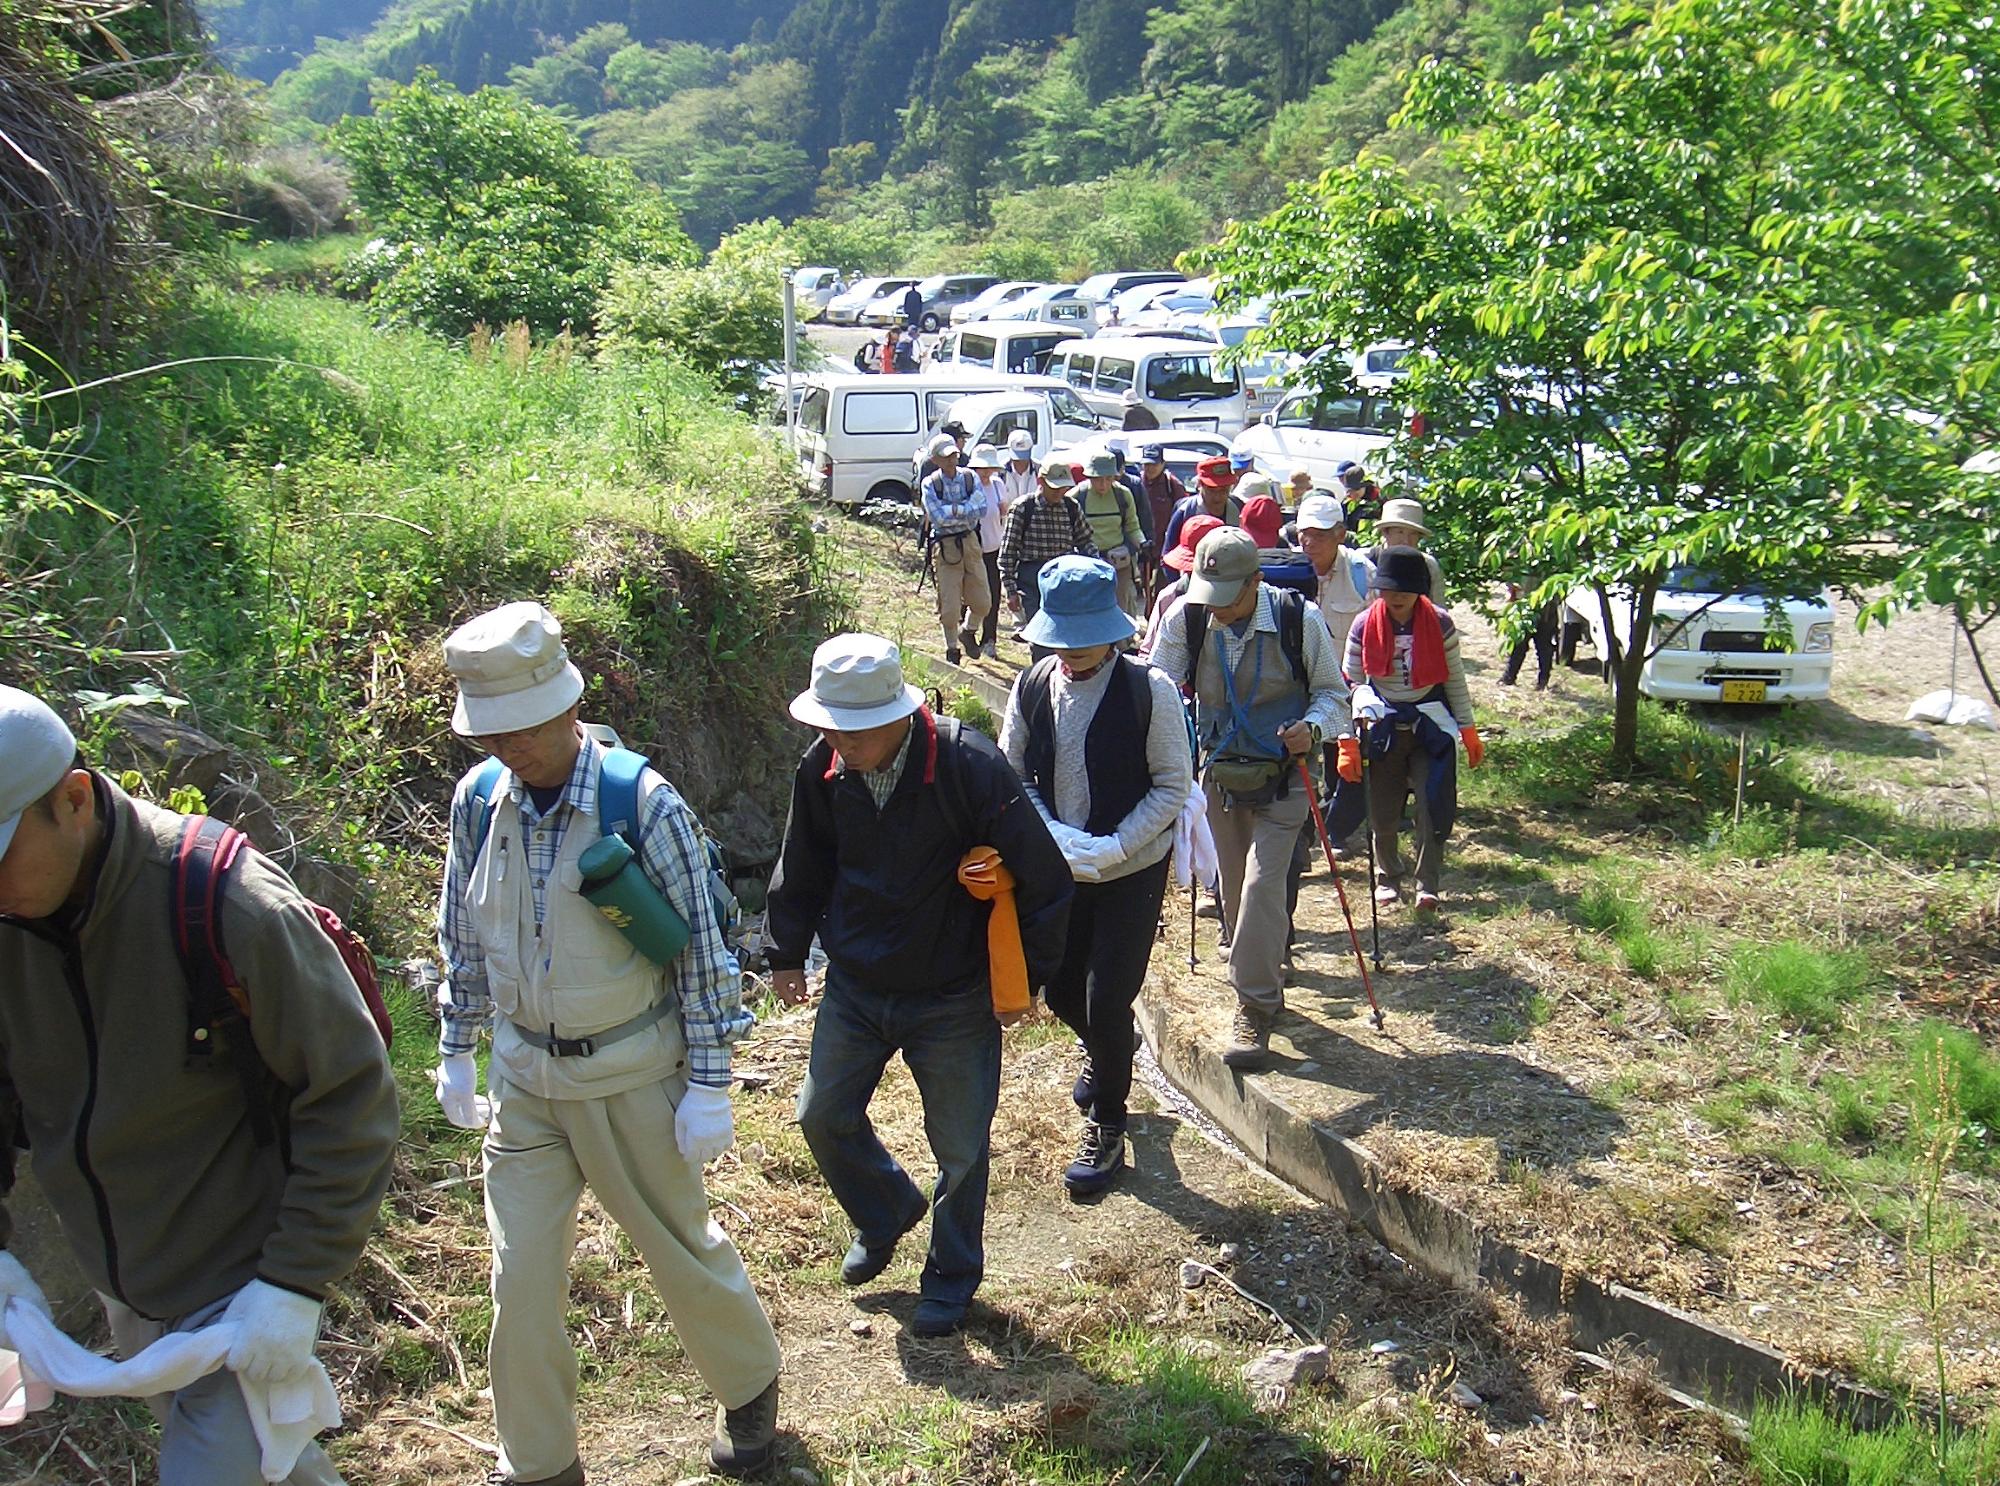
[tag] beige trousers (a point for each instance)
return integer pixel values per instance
(539, 1155)
(1253, 847)
(961, 586)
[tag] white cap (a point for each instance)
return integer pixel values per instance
(985, 457)
(1321, 512)
(857, 683)
(36, 751)
(1021, 443)
(942, 445)
(512, 669)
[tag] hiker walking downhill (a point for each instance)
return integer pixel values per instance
(1214, 487)
(611, 1045)
(1101, 746)
(987, 466)
(1266, 683)
(1415, 712)
(1116, 518)
(1162, 491)
(217, 1196)
(1039, 531)
(893, 813)
(954, 508)
(1401, 524)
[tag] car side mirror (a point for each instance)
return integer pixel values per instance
(1269, 420)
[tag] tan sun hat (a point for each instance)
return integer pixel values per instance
(512, 669)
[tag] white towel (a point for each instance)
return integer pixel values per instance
(1440, 714)
(1194, 843)
(284, 1416)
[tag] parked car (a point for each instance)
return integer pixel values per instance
(989, 299)
(1048, 409)
(1716, 644)
(813, 289)
(1316, 431)
(1181, 381)
(1101, 288)
(856, 431)
(1055, 303)
(941, 293)
(845, 307)
(1020, 346)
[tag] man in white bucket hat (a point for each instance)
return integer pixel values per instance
(886, 804)
(608, 1070)
(183, 1212)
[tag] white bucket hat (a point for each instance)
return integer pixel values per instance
(512, 669)
(1321, 512)
(857, 683)
(36, 752)
(1408, 513)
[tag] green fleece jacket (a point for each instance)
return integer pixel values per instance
(146, 1154)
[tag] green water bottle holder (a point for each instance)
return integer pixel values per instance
(615, 885)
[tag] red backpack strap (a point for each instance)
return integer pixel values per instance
(202, 859)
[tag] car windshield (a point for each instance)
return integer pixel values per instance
(1689, 579)
(812, 410)
(1188, 378)
(1069, 408)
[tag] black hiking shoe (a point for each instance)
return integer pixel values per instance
(863, 1263)
(571, 1476)
(744, 1436)
(1100, 1156)
(1083, 1093)
(1249, 1040)
(952, 657)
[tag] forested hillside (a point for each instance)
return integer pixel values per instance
(916, 117)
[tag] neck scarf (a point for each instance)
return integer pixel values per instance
(1378, 643)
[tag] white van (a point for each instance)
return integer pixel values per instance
(1182, 381)
(1020, 346)
(856, 429)
(1052, 413)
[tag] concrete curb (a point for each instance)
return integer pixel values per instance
(1702, 1358)
(949, 676)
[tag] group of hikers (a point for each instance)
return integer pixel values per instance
(195, 1054)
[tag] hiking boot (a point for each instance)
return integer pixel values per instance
(1249, 1040)
(1083, 1093)
(1428, 902)
(863, 1263)
(572, 1476)
(970, 641)
(952, 657)
(744, 1436)
(1100, 1156)
(937, 1317)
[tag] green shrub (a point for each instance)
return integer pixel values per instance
(1799, 983)
(1854, 1112)
(1796, 1443)
(1977, 1073)
(1604, 908)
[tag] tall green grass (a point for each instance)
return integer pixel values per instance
(1801, 984)
(1796, 1443)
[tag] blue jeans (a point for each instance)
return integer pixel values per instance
(952, 1047)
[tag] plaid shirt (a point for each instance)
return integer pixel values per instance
(1039, 531)
(672, 856)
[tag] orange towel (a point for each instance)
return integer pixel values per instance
(986, 877)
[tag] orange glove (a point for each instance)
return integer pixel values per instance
(1475, 751)
(985, 877)
(1350, 760)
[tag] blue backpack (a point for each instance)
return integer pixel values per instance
(618, 815)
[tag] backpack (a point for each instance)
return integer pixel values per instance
(906, 357)
(217, 1002)
(869, 357)
(618, 815)
(1291, 606)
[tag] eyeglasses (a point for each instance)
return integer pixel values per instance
(494, 742)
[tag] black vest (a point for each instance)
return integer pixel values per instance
(1114, 749)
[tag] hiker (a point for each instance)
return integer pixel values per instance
(1037, 531)
(869, 357)
(1298, 488)
(1137, 418)
(191, 1196)
(1214, 487)
(1414, 711)
(1401, 524)
(1548, 627)
(987, 466)
(610, 1068)
(954, 430)
(892, 349)
(1282, 565)
(1265, 678)
(913, 310)
(954, 506)
(1161, 489)
(1099, 742)
(1180, 562)
(1113, 512)
(888, 807)
(1361, 495)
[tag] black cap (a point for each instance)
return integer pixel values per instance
(954, 427)
(1402, 570)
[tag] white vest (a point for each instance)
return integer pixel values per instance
(575, 973)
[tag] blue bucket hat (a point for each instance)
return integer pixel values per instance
(1079, 606)
(1240, 460)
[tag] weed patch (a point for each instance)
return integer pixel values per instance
(1802, 985)
(1796, 1443)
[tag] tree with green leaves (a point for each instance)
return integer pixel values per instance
(492, 213)
(1608, 334)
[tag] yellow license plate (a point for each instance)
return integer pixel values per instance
(1743, 691)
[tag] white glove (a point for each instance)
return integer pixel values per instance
(1100, 853)
(1368, 704)
(16, 1281)
(703, 1126)
(275, 1332)
(458, 1092)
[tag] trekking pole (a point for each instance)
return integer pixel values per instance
(1194, 886)
(1319, 824)
(1368, 825)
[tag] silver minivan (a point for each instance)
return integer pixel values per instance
(856, 430)
(1183, 382)
(1021, 346)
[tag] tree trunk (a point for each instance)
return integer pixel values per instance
(1625, 673)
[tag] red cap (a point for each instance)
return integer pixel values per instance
(1181, 557)
(1215, 474)
(1262, 517)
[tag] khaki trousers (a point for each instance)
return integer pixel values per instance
(963, 596)
(539, 1155)
(1253, 846)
